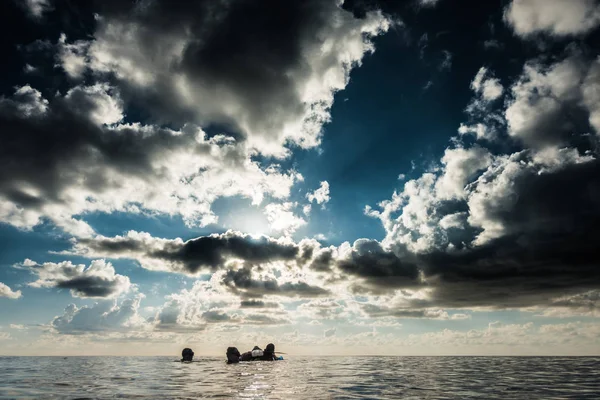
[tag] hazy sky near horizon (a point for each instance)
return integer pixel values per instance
(340, 177)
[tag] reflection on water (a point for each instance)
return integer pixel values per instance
(301, 378)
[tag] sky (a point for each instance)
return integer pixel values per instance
(336, 177)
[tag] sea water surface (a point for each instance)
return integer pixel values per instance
(301, 378)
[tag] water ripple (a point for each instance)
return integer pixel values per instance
(301, 377)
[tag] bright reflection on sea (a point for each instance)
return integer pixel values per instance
(301, 378)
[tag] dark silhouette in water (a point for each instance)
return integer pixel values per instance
(269, 353)
(257, 354)
(233, 355)
(187, 355)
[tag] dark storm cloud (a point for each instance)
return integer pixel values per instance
(322, 261)
(194, 255)
(212, 251)
(376, 311)
(378, 267)
(257, 304)
(550, 249)
(242, 282)
(91, 286)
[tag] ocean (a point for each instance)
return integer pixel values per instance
(301, 378)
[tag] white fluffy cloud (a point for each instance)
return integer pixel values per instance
(99, 103)
(321, 195)
(6, 291)
(555, 17)
(99, 279)
(103, 316)
(418, 223)
(486, 122)
(481, 131)
(282, 219)
(487, 85)
(72, 57)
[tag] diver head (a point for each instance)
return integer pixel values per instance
(187, 354)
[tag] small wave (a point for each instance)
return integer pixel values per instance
(300, 377)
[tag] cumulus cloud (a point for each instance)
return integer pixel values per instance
(477, 225)
(190, 310)
(484, 121)
(100, 317)
(99, 279)
(78, 152)
(481, 224)
(72, 57)
(189, 69)
(74, 155)
(546, 100)
(480, 131)
(487, 85)
(341, 309)
(208, 305)
(26, 101)
(554, 17)
(321, 195)
(282, 219)
(6, 291)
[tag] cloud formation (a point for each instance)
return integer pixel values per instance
(98, 280)
(104, 316)
(202, 254)
(485, 224)
(321, 195)
(81, 151)
(296, 55)
(487, 85)
(36, 8)
(73, 155)
(6, 291)
(554, 17)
